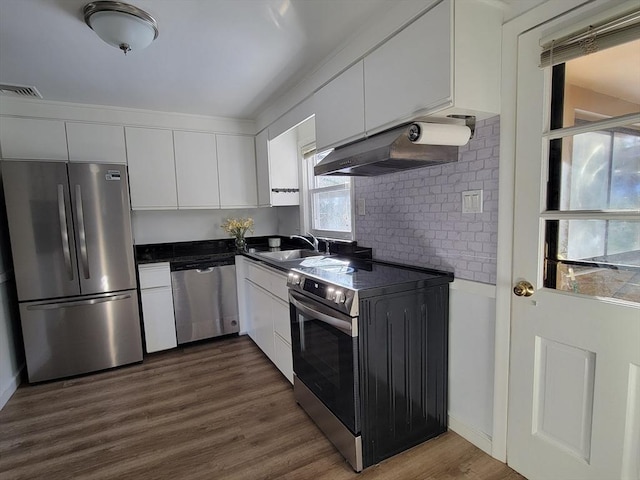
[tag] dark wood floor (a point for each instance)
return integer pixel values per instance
(218, 410)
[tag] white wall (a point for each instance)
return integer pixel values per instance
(11, 353)
(188, 225)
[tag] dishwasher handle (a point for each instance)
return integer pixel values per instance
(205, 270)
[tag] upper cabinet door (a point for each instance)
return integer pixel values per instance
(196, 170)
(283, 169)
(33, 139)
(237, 171)
(339, 108)
(262, 165)
(152, 175)
(91, 142)
(411, 72)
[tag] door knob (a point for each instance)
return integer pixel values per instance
(523, 289)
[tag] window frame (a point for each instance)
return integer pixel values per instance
(309, 190)
(552, 210)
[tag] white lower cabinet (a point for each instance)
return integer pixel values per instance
(264, 311)
(157, 307)
(261, 319)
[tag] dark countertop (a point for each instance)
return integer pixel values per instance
(371, 272)
(224, 249)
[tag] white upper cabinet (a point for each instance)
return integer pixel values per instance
(262, 167)
(446, 62)
(277, 164)
(410, 72)
(283, 169)
(339, 108)
(92, 142)
(196, 170)
(237, 171)
(152, 175)
(33, 139)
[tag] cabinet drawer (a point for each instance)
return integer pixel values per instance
(272, 281)
(282, 320)
(279, 287)
(155, 275)
(259, 276)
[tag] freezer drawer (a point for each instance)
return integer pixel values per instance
(80, 334)
(205, 302)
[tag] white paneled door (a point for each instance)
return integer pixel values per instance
(574, 385)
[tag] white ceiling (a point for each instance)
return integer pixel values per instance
(212, 57)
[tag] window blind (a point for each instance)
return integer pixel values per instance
(599, 36)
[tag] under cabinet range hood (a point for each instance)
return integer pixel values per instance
(415, 145)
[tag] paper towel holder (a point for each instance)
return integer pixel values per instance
(469, 120)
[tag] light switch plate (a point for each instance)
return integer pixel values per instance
(361, 207)
(472, 201)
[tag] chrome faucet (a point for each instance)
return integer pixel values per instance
(314, 244)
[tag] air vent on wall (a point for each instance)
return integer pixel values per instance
(23, 91)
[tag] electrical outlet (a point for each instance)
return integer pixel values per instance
(472, 201)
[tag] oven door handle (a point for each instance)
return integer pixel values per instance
(315, 311)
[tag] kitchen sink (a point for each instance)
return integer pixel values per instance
(289, 255)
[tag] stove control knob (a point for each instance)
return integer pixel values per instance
(339, 297)
(293, 279)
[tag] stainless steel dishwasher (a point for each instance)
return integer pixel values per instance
(204, 298)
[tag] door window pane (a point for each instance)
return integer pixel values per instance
(599, 170)
(602, 85)
(595, 172)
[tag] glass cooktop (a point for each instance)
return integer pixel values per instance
(362, 275)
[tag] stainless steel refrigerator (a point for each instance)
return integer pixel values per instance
(72, 246)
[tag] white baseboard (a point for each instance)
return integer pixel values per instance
(11, 387)
(478, 438)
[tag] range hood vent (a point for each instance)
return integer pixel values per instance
(410, 146)
(22, 91)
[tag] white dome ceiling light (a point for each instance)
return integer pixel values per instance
(121, 25)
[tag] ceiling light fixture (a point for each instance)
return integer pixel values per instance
(121, 25)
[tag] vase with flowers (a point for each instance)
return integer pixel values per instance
(238, 227)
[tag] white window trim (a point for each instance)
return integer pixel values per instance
(306, 202)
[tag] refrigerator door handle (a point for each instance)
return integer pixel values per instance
(79, 303)
(64, 231)
(84, 257)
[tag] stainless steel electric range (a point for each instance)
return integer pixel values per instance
(369, 346)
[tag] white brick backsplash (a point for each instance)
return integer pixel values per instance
(415, 216)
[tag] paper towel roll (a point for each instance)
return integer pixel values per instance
(439, 134)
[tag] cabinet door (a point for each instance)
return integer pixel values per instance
(339, 108)
(33, 139)
(196, 170)
(152, 175)
(262, 166)
(282, 320)
(411, 72)
(237, 170)
(91, 142)
(157, 315)
(260, 308)
(283, 169)
(283, 357)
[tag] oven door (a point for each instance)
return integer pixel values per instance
(325, 356)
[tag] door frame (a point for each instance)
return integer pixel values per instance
(573, 11)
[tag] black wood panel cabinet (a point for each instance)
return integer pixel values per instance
(403, 375)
